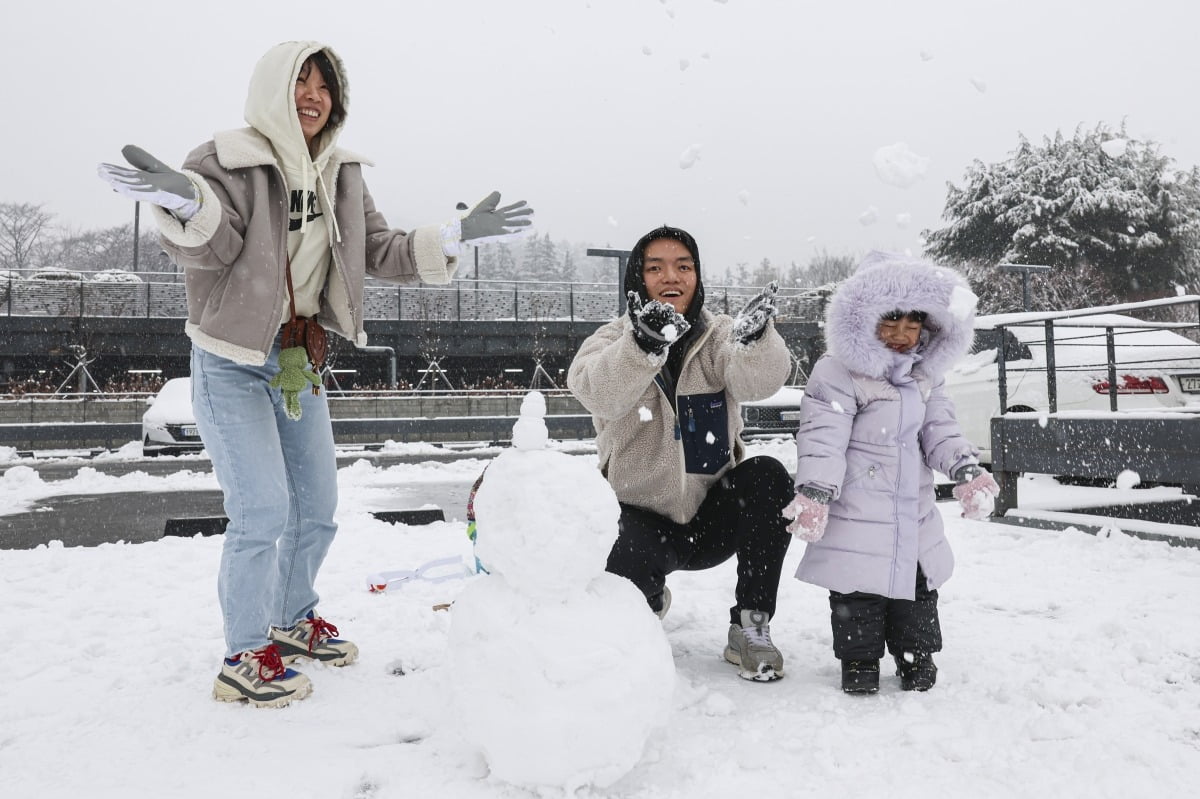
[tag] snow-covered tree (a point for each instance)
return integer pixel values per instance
(822, 270)
(22, 225)
(1110, 213)
(106, 248)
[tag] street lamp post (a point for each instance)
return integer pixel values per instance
(1025, 270)
(622, 257)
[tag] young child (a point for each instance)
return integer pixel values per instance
(875, 423)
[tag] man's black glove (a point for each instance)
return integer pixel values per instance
(656, 324)
(751, 321)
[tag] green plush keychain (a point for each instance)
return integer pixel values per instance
(294, 377)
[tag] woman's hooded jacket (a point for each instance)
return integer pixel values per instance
(235, 249)
(668, 426)
(874, 423)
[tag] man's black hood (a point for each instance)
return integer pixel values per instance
(635, 281)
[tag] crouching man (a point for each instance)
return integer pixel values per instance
(664, 385)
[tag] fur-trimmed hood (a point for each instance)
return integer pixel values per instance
(886, 282)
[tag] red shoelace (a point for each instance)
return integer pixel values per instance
(269, 663)
(321, 631)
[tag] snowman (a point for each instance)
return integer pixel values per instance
(561, 670)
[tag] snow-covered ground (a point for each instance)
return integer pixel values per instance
(1071, 669)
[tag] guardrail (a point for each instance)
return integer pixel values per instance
(464, 300)
(1078, 318)
(112, 435)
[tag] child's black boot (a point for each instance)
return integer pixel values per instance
(860, 676)
(917, 671)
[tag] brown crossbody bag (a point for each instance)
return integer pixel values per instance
(303, 331)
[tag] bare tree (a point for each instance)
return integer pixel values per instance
(21, 225)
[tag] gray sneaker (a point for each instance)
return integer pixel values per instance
(750, 648)
(666, 603)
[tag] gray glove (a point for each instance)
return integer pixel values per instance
(751, 321)
(965, 474)
(656, 325)
(816, 494)
(152, 181)
(487, 223)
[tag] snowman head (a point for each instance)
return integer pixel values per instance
(529, 433)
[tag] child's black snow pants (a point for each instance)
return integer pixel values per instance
(862, 623)
(742, 516)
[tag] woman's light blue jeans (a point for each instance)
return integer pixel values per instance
(279, 478)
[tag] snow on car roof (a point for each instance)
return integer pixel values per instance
(173, 403)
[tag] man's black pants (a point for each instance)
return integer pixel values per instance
(742, 516)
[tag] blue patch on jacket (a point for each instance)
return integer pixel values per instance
(704, 431)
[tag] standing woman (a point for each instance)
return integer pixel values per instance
(276, 231)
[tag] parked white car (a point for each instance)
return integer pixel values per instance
(777, 415)
(1155, 369)
(168, 425)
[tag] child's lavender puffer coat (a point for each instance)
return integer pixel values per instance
(875, 422)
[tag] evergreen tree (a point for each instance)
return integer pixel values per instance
(546, 263)
(1109, 213)
(529, 264)
(793, 276)
(506, 263)
(568, 273)
(764, 274)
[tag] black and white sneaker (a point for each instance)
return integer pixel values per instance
(259, 677)
(313, 638)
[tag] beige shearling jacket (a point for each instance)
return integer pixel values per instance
(233, 251)
(653, 456)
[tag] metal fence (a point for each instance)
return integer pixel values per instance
(158, 295)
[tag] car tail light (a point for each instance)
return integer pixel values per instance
(1128, 384)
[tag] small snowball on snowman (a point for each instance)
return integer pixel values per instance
(561, 670)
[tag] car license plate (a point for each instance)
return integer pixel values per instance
(794, 416)
(190, 431)
(1190, 383)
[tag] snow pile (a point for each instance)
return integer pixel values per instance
(561, 670)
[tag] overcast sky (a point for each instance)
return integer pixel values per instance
(755, 124)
